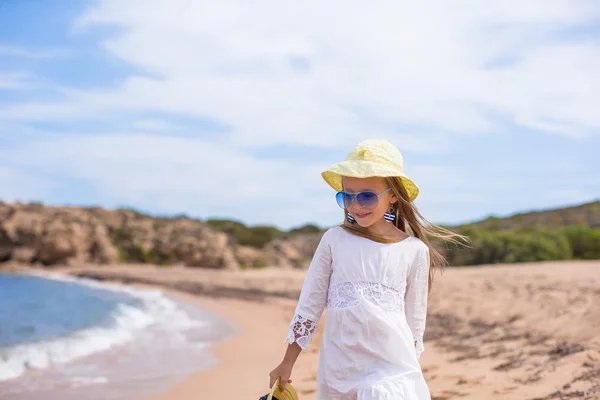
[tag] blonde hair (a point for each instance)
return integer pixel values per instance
(410, 221)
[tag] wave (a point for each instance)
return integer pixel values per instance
(153, 311)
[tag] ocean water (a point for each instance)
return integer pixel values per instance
(60, 337)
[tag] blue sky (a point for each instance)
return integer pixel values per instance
(221, 110)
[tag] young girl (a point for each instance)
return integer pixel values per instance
(374, 273)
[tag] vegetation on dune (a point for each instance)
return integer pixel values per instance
(559, 234)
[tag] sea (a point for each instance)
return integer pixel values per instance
(71, 338)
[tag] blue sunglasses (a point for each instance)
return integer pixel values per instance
(368, 200)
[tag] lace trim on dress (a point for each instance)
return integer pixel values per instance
(348, 294)
(301, 331)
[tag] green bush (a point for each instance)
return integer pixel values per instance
(254, 236)
(309, 228)
(539, 245)
(257, 236)
(225, 225)
(585, 242)
(526, 245)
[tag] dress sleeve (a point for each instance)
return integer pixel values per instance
(415, 298)
(313, 297)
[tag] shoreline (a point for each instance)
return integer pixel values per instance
(245, 359)
(523, 331)
(115, 359)
(248, 365)
(243, 362)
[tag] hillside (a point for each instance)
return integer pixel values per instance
(558, 234)
(33, 233)
(37, 234)
(584, 215)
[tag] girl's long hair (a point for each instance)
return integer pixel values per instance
(410, 221)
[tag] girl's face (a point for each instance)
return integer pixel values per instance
(367, 216)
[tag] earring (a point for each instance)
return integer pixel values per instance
(350, 218)
(389, 216)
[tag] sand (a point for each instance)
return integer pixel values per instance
(522, 331)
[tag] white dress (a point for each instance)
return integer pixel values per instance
(376, 297)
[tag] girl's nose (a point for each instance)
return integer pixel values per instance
(355, 207)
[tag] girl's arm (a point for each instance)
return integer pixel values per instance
(284, 370)
(313, 297)
(416, 297)
(311, 304)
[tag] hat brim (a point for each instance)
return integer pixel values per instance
(366, 169)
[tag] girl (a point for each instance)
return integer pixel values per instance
(374, 273)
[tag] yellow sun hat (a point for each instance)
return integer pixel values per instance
(371, 158)
(288, 393)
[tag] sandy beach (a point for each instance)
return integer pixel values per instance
(522, 331)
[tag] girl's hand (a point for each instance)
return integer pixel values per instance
(283, 372)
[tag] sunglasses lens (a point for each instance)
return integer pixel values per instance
(367, 199)
(339, 198)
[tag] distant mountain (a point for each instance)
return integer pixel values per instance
(584, 215)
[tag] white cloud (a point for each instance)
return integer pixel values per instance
(38, 54)
(425, 75)
(425, 64)
(155, 125)
(167, 173)
(14, 80)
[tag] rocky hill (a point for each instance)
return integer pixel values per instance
(36, 234)
(33, 233)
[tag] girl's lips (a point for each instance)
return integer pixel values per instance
(362, 215)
